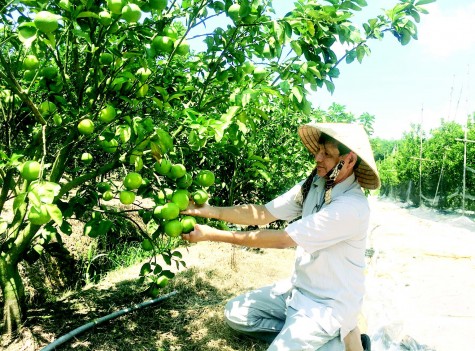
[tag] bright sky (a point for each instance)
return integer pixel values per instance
(423, 82)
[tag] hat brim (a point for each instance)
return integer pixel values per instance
(352, 136)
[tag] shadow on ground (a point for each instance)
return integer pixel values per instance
(190, 320)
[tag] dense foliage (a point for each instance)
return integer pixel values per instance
(96, 95)
(429, 168)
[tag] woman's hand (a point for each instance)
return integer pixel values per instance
(200, 233)
(205, 210)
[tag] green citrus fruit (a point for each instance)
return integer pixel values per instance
(49, 72)
(188, 223)
(115, 6)
(106, 58)
(47, 108)
(147, 245)
(205, 178)
(30, 62)
(233, 12)
(30, 170)
(177, 171)
(132, 181)
(157, 212)
(86, 126)
(182, 48)
(158, 5)
(108, 195)
(46, 21)
(143, 73)
(107, 114)
(29, 75)
(57, 119)
(162, 281)
(248, 67)
(170, 211)
(200, 197)
(173, 228)
(39, 216)
(171, 32)
(259, 73)
(163, 44)
(109, 146)
(86, 157)
(185, 181)
(181, 198)
(103, 187)
(131, 13)
(168, 193)
(105, 18)
(65, 5)
(127, 197)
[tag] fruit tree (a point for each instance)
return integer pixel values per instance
(139, 95)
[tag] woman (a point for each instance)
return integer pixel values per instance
(317, 307)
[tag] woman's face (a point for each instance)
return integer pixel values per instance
(327, 157)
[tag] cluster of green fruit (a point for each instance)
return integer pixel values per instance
(167, 41)
(242, 14)
(169, 202)
(132, 181)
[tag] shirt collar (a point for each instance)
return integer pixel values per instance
(338, 189)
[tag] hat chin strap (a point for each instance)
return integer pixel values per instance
(330, 180)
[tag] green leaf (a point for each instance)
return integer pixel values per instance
(348, 5)
(360, 53)
(297, 92)
(284, 86)
(55, 213)
(3, 226)
(424, 2)
(264, 175)
(287, 30)
(145, 269)
(27, 33)
(96, 227)
(82, 34)
(88, 14)
(45, 191)
(66, 228)
(230, 113)
(330, 86)
(177, 254)
(34, 199)
(405, 36)
(18, 201)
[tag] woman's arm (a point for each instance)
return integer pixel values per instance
(262, 238)
(240, 214)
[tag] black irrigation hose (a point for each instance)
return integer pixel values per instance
(98, 321)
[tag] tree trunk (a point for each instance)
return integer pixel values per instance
(14, 308)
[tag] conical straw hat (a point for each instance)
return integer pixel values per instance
(352, 136)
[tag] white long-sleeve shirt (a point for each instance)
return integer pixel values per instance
(328, 278)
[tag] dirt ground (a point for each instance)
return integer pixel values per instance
(421, 278)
